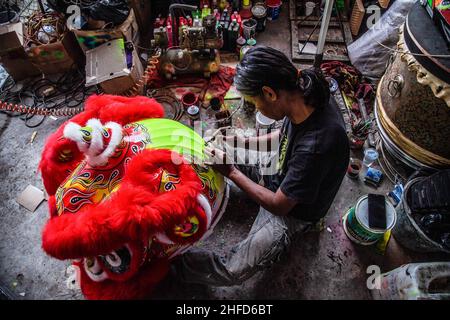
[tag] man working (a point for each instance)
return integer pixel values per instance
(313, 158)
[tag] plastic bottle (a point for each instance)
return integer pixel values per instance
(206, 11)
(225, 16)
(197, 14)
(233, 34)
(415, 281)
(217, 14)
(189, 21)
(169, 35)
(237, 17)
(157, 23)
(169, 20)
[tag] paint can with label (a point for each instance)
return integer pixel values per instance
(259, 12)
(356, 222)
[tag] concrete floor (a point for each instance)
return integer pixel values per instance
(319, 265)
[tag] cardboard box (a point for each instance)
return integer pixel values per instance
(57, 57)
(106, 65)
(90, 39)
(12, 53)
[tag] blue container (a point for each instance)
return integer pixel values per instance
(273, 12)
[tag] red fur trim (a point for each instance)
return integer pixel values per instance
(133, 213)
(122, 110)
(140, 286)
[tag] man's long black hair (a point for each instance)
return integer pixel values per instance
(264, 66)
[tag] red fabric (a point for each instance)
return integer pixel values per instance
(217, 86)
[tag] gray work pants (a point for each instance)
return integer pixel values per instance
(267, 240)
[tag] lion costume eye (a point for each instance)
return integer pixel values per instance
(117, 261)
(94, 270)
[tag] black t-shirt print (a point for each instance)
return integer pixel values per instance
(313, 159)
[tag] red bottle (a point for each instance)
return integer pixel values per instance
(169, 35)
(189, 21)
(236, 16)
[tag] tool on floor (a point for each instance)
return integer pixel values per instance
(373, 177)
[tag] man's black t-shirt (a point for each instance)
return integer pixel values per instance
(313, 159)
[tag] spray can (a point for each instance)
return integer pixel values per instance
(158, 23)
(206, 11)
(217, 14)
(236, 4)
(189, 21)
(169, 35)
(237, 17)
(225, 15)
(169, 20)
(197, 14)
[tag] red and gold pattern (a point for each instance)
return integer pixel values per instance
(90, 185)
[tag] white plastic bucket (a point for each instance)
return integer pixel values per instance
(309, 8)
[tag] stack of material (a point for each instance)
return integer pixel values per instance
(115, 66)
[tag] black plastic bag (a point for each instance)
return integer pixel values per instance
(110, 11)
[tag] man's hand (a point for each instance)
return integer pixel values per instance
(217, 159)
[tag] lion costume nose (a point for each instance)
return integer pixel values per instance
(98, 142)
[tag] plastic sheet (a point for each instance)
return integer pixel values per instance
(110, 11)
(366, 53)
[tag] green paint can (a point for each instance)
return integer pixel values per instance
(356, 222)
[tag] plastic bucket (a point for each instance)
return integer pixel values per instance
(259, 12)
(7, 17)
(249, 27)
(309, 8)
(356, 223)
(408, 233)
(273, 12)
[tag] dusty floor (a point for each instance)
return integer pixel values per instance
(320, 265)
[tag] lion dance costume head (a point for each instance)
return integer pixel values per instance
(127, 192)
